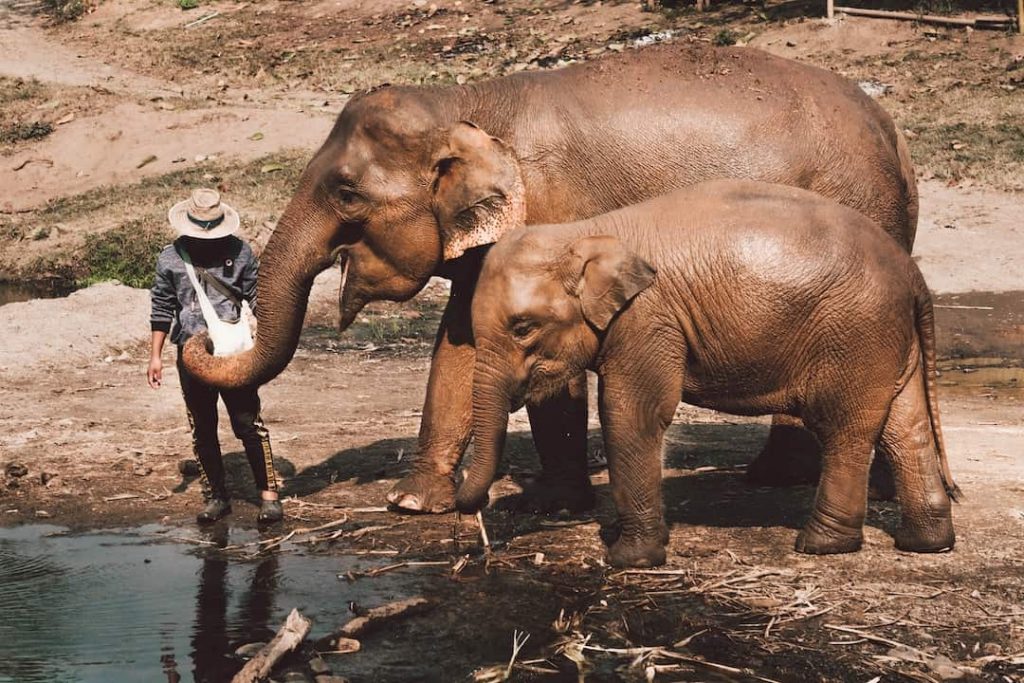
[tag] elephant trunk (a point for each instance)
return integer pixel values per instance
(491, 401)
(298, 250)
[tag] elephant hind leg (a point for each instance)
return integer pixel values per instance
(792, 456)
(907, 443)
(848, 434)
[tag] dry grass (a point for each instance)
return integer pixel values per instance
(961, 101)
(958, 93)
(106, 231)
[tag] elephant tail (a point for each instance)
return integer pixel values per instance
(925, 323)
(910, 187)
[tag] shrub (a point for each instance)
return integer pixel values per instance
(126, 253)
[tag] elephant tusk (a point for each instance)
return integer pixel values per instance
(344, 280)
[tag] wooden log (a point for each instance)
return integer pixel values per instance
(988, 21)
(291, 635)
(374, 618)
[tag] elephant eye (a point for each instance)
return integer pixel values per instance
(522, 328)
(347, 195)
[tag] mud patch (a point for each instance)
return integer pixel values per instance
(980, 324)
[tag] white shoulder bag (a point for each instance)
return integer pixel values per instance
(228, 338)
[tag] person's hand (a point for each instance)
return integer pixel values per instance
(155, 373)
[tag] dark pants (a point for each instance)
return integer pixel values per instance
(244, 410)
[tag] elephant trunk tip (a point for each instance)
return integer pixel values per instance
(197, 355)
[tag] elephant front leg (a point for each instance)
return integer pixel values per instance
(447, 423)
(634, 416)
(559, 428)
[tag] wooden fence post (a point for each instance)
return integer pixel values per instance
(831, 12)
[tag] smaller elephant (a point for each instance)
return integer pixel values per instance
(744, 297)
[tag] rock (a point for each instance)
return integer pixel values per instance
(295, 677)
(142, 470)
(52, 481)
(319, 666)
(16, 470)
(944, 668)
(249, 649)
(331, 679)
(190, 468)
(46, 477)
(992, 649)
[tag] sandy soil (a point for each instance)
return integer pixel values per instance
(99, 448)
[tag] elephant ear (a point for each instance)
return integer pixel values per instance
(478, 190)
(606, 276)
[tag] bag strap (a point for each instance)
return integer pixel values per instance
(217, 284)
(206, 277)
(209, 313)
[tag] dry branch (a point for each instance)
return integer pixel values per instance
(291, 635)
(373, 618)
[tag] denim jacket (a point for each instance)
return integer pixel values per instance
(175, 307)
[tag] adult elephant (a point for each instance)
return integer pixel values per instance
(398, 195)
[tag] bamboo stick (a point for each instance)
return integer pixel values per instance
(926, 18)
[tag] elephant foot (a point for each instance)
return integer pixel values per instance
(424, 492)
(818, 539)
(550, 494)
(610, 534)
(881, 484)
(637, 552)
(936, 537)
(791, 457)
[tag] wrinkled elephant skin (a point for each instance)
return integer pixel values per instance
(744, 297)
(412, 181)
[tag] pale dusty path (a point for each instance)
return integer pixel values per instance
(144, 118)
(970, 239)
(107, 149)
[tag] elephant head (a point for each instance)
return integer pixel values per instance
(540, 311)
(399, 187)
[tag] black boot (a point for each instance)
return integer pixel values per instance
(214, 510)
(271, 512)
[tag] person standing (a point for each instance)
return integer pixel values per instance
(226, 272)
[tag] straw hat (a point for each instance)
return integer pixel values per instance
(203, 216)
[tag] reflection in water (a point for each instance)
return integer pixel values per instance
(129, 606)
(212, 648)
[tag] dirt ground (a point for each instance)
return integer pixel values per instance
(140, 106)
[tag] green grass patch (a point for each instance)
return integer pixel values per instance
(126, 253)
